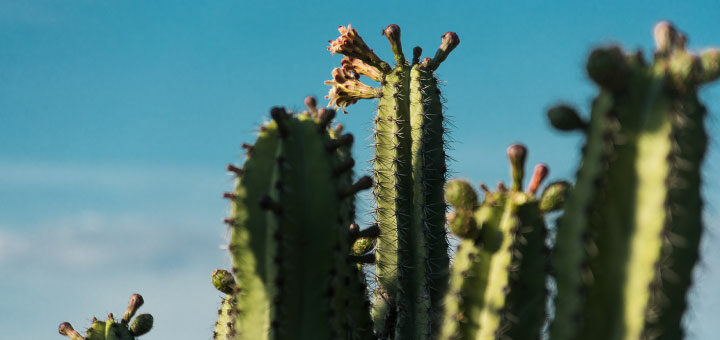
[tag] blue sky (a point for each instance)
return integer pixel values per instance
(117, 118)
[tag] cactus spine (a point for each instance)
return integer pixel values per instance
(111, 330)
(633, 224)
(497, 286)
(409, 170)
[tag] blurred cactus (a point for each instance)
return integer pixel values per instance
(629, 238)
(497, 284)
(111, 330)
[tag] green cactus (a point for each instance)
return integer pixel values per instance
(409, 170)
(624, 249)
(629, 238)
(111, 330)
(289, 239)
(497, 284)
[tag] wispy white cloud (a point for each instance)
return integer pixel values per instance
(91, 241)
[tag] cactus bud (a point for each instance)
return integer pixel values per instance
(565, 118)
(311, 104)
(417, 51)
(223, 281)
(517, 153)
(554, 196)
(667, 37)
(141, 325)
(392, 32)
(136, 301)
(460, 194)
(363, 245)
(608, 68)
(450, 40)
(539, 174)
(462, 224)
(67, 329)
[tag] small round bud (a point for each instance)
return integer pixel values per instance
(141, 325)
(223, 281)
(554, 196)
(462, 224)
(363, 245)
(460, 194)
(565, 118)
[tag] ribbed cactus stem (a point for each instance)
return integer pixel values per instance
(497, 286)
(637, 203)
(409, 170)
(291, 207)
(429, 172)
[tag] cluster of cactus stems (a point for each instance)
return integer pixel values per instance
(111, 330)
(624, 246)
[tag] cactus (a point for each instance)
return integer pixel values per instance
(409, 170)
(497, 285)
(629, 238)
(289, 237)
(111, 330)
(622, 257)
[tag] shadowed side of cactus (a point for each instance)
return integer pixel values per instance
(289, 235)
(497, 284)
(111, 330)
(632, 226)
(409, 170)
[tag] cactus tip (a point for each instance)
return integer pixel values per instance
(460, 194)
(608, 68)
(223, 281)
(311, 103)
(539, 174)
(554, 196)
(517, 153)
(450, 40)
(667, 38)
(392, 32)
(136, 300)
(141, 325)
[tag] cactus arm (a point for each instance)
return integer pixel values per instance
(570, 249)
(428, 162)
(465, 297)
(225, 321)
(683, 227)
(464, 292)
(525, 313)
(393, 195)
(251, 243)
(490, 317)
(306, 196)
